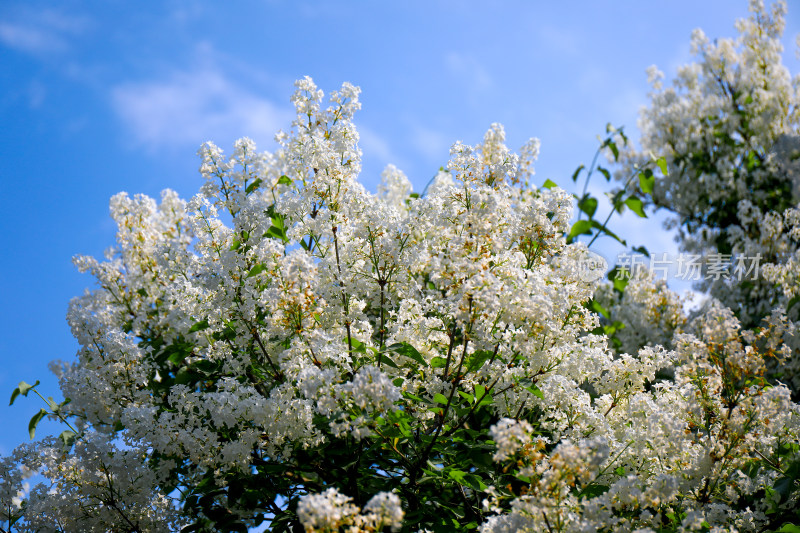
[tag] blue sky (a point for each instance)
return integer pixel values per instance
(102, 97)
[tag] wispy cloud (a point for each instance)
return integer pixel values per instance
(36, 93)
(190, 107)
(431, 144)
(377, 152)
(374, 145)
(41, 32)
(468, 70)
(31, 40)
(559, 41)
(622, 98)
(682, 56)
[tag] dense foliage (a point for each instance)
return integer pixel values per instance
(289, 350)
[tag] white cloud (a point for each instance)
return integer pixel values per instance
(624, 106)
(30, 40)
(36, 92)
(373, 145)
(41, 32)
(433, 145)
(682, 56)
(191, 107)
(559, 41)
(469, 70)
(620, 98)
(377, 152)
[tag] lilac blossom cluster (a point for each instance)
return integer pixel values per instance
(288, 347)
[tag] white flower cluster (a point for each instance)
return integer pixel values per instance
(509, 435)
(98, 487)
(728, 128)
(650, 312)
(682, 447)
(787, 274)
(216, 344)
(330, 511)
(285, 335)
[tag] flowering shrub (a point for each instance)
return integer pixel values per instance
(728, 129)
(288, 349)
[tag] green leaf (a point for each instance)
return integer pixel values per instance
(642, 250)
(278, 228)
(409, 351)
(14, 395)
(278, 220)
(636, 206)
(35, 422)
(383, 358)
(358, 346)
(475, 483)
(51, 403)
(615, 341)
(536, 391)
(67, 438)
(662, 164)
(438, 362)
(457, 475)
(199, 326)
(581, 227)
(604, 172)
(593, 491)
(647, 183)
(549, 184)
(23, 389)
(279, 233)
(793, 470)
(480, 391)
(177, 357)
(478, 359)
(603, 229)
(285, 180)
(440, 398)
(614, 150)
(206, 367)
(752, 161)
(617, 201)
(588, 205)
(184, 376)
(789, 528)
(609, 330)
(574, 174)
(253, 186)
(620, 277)
(417, 399)
(620, 471)
(783, 486)
(256, 270)
(593, 305)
